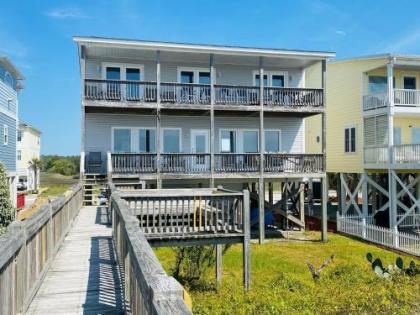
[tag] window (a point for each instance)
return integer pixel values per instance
(187, 77)
(194, 75)
(409, 83)
(132, 74)
(272, 140)
(350, 140)
(277, 80)
(147, 140)
(271, 78)
(171, 140)
(227, 141)
(397, 135)
(379, 84)
(257, 80)
(19, 135)
(122, 140)
(113, 73)
(5, 134)
(19, 155)
(250, 141)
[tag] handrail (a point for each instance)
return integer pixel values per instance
(28, 247)
(149, 290)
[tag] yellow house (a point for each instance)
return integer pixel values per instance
(373, 130)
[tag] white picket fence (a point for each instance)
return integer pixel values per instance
(409, 243)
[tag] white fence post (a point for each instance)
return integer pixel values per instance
(338, 221)
(396, 237)
(364, 227)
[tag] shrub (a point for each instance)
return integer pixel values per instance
(7, 211)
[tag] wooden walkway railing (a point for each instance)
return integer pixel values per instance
(28, 247)
(148, 289)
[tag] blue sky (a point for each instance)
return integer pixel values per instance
(37, 37)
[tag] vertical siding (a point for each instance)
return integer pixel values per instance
(8, 152)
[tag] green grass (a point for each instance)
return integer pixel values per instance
(282, 283)
(55, 184)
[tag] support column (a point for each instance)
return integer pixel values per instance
(302, 204)
(365, 196)
(324, 218)
(324, 122)
(270, 193)
(261, 190)
(343, 194)
(158, 131)
(310, 196)
(392, 199)
(219, 263)
(374, 197)
(212, 101)
(246, 243)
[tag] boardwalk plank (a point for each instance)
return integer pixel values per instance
(84, 277)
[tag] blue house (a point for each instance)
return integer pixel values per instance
(10, 78)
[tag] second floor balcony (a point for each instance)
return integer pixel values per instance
(143, 92)
(402, 98)
(200, 163)
(397, 156)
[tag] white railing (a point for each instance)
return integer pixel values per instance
(406, 242)
(376, 154)
(403, 97)
(412, 220)
(406, 153)
(375, 100)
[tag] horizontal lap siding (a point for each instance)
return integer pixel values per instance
(6, 94)
(8, 152)
(226, 74)
(99, 126)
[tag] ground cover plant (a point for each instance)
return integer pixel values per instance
(282, 283)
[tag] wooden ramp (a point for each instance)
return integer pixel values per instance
(84, 277)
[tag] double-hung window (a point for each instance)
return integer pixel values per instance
(350, 140)
(147, 140)
(250, 141)
(122, 140)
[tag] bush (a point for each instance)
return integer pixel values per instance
(64, 165)
(7, 211)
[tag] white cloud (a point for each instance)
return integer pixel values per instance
(340, 32)
(66, 13)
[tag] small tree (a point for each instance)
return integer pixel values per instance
(7, 211)
(35, 164)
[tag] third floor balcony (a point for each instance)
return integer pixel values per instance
(408, 98)
(146, 92)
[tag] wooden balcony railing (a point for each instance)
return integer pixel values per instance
(185, 163)
(236, 95)
(236, 162)
(199, 163)
(294, 163)
(124, 163)
(184, 93)
(115, 90)
(293, 97)
(376, 154)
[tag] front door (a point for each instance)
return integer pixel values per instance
(200, 144)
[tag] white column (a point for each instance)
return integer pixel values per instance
(391, 179)
(212, 100)
(158, 144)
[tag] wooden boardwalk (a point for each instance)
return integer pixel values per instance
(84, 277)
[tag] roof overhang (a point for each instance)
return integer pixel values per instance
(203, 49)
(11, 68)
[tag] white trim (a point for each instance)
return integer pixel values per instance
(195, 70)
(205, 48)
(270, 74)
(197, 131)
(123, 69)
(162, 138)
(280, 142)
(355, 139)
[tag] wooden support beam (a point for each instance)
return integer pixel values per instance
(261, 206)
(158, 130)
(270, 193)
(247, 241)
(324, 213)
(219, 263)
(302, 204)
(365, 195)
(212, 101)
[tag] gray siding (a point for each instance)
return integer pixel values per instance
(225, 74)
(8, 152)
(99, 129)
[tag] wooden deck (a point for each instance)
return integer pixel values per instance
(84, 277)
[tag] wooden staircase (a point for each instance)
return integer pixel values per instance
(93, 185)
